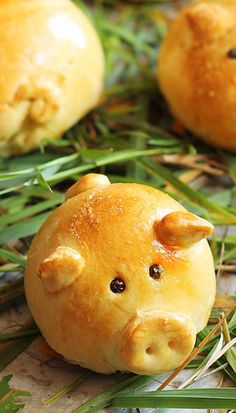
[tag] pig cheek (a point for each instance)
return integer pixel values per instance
(90, 307)
(78, 307)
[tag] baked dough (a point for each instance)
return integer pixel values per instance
(52, 68)
(120, 277)
(197, 70)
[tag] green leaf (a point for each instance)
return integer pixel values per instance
(8, 396)
(185, 399)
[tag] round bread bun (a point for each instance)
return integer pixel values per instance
(120, 277)
(197, 70)
(52, 68)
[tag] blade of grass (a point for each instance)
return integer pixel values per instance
(23, 229)
(11, 291)
(11, 256)
(9, 351)
(196, 196)
(216, 356)
(109, 159)
(29, 171)
(9, 268)
(192, 355)
(204, 365)
(31, 210)
(68, 388)
(12, 350)
(186, 399)
(232, 322)
(104, 399)
(42, 181)
(19, 334)
(17, 299)
(115, 157)
(231, 353)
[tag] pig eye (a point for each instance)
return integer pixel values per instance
(117, 286)
(232, 53)
(155, 271)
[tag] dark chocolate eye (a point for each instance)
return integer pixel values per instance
(155, 271)
(117, 286)
(232, 53)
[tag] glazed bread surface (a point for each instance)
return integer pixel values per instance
(89, 281)
(52, 68)
(201, 89)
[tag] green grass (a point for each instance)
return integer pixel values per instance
(128, 137)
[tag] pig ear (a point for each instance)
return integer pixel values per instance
(208, 21)
(60, 269)
(87, 182)
(182, 229)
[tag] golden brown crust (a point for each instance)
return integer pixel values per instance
(182, 229)
(60, 269)
(87, 182)
(157, 341)
(201, 90)
(112, 228)
(52, 68)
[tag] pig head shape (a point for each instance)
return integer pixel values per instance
(120, 277)
(201, 91)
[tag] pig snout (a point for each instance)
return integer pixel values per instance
(156, 341)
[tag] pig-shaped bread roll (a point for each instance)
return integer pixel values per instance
(197, 70)
(120, 278)
(52, 68)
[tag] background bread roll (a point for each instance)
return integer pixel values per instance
(197, 70)
(52, 68)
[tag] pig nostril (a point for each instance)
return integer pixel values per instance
(172, 344)
(149, 350)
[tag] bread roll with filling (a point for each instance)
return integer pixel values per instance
(52, 68)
